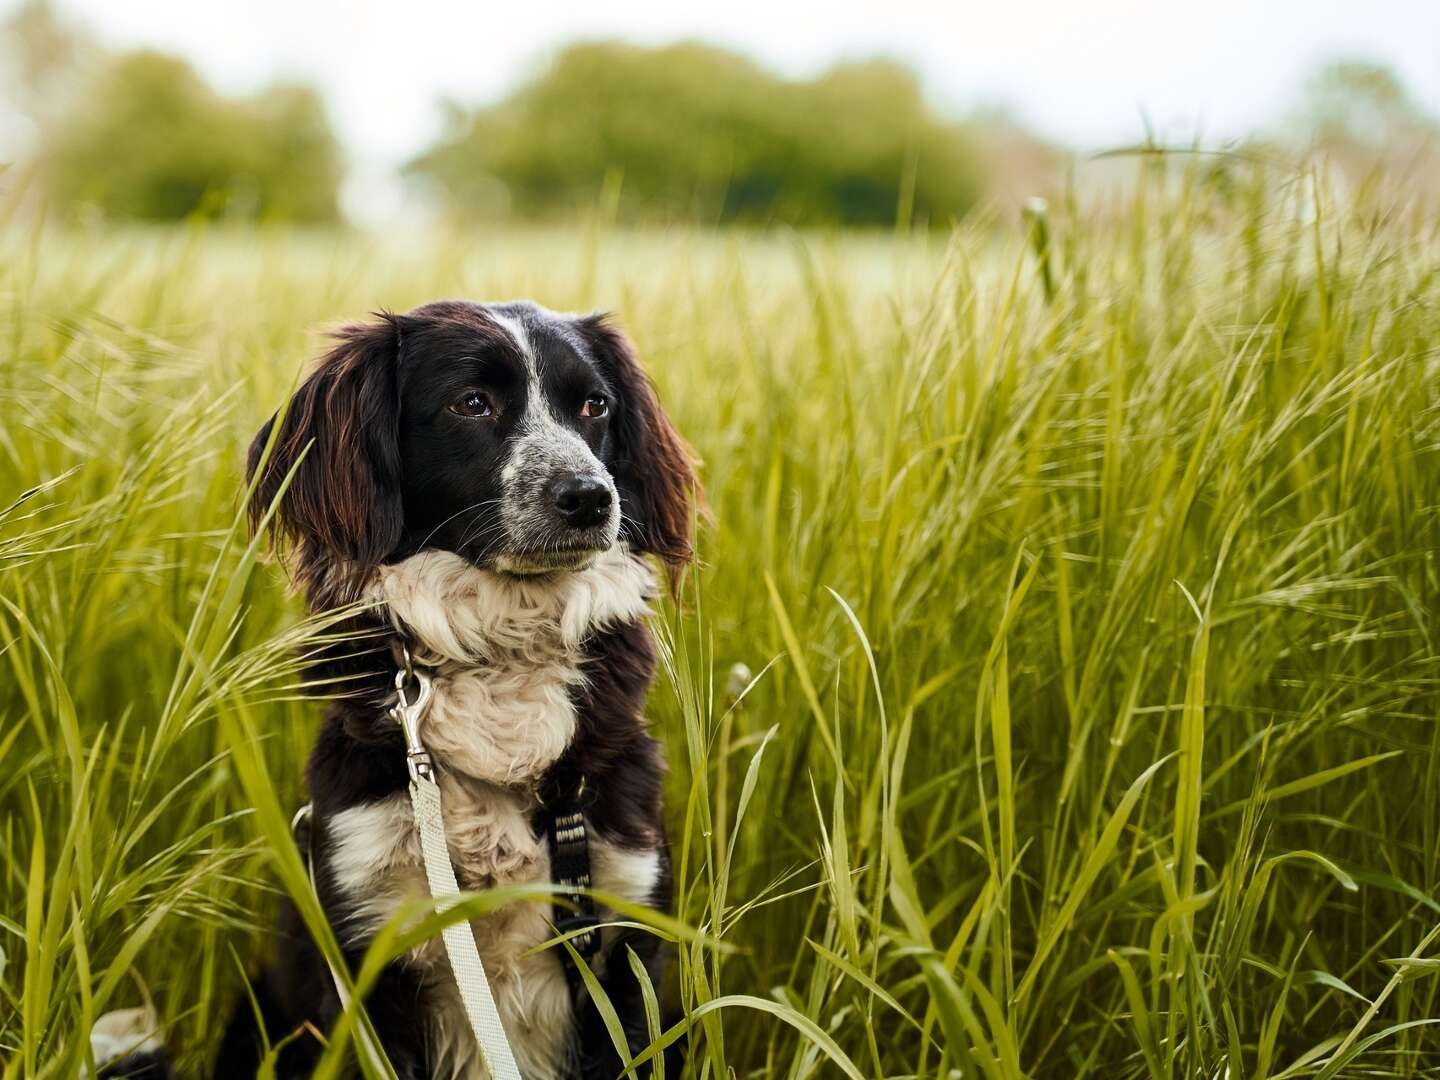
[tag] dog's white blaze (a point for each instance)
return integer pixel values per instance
(507, 653)
(543, 448)
(516, 329)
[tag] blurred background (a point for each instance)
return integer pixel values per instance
(804, 114)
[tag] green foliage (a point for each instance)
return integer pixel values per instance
(151, 141)
(692, 132)
(1091, 730)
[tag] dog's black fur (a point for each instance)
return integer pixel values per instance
(397, 444)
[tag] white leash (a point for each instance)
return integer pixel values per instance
(495, 1054)
(496, 1057)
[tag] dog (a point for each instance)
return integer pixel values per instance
(492, 487)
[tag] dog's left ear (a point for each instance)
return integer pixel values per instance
(654, 469)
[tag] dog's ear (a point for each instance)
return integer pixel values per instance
(341, 514)
(653, 467)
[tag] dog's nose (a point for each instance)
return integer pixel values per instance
(583, 501)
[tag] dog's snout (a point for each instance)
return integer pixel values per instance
(582, 501)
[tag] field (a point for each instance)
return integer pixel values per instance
(1091, 618)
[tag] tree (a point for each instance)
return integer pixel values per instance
(1369, 129)
(152, 141)
(1358, 102)
(699, 133)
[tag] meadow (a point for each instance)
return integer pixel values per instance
(1057, 695)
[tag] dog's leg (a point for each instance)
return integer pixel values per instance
(392, 1006)
(597, 1057)
(398, 1012)
(290, 1003)
(260, 1019)
(295, 1004)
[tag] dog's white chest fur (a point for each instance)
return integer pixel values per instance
(506, 654)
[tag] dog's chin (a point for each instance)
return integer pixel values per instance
(540, 563)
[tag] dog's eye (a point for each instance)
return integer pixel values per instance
(475, 403)
(595, 406)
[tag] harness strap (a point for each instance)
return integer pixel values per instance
(564, 816)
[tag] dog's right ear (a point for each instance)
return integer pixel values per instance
(337, 443)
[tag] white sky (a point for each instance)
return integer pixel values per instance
(1083, 72)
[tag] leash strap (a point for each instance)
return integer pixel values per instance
(496, 1057)
(495, 1052)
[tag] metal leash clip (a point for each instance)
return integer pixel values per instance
(409, 713)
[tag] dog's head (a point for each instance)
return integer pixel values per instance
(524, 440)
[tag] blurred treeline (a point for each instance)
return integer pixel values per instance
(698, 133)
(684, 132)
(140, 135)
(160, 144)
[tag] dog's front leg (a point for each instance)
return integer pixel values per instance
(598, 1059)
(396, 1007)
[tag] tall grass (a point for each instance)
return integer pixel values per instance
(1058, 696)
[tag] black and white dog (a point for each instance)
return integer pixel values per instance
(492, 477)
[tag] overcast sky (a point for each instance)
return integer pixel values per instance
(1084, 72)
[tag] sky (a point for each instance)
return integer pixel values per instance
(1086, 73)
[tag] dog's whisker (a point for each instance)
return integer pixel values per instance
(477, 507)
